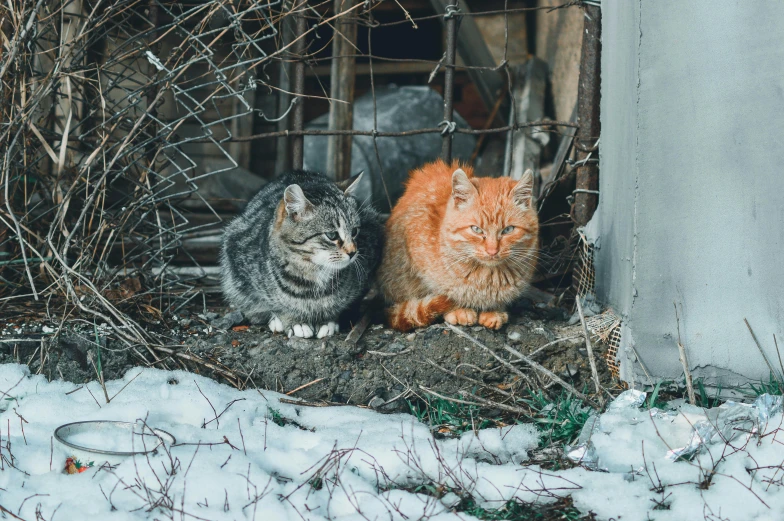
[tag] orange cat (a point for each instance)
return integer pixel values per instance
(458, 246)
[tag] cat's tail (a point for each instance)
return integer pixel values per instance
(411, 314)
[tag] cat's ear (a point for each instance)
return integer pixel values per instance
(523, 190)
(463, 190)
(349, 186)
(297, 205)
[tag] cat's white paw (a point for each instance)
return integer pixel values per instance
(301, 331)
(275, 325)
(328, 329)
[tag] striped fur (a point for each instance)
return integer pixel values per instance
(279, 264)
(412, 314)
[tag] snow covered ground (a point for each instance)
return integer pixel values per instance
(232, 461)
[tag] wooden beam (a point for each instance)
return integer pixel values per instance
(298, 142)
(379, 69)
(473, 50)
(524, 146)
(586, 196)
(342, 81)
(283, 146)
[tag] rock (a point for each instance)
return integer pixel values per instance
(228, 321)
(570, 372)
(514, 335)
(220, 339)
(411, 337)
(395, 347)
(185, 323)
(210, 315)
(345, 375)
(376, 402)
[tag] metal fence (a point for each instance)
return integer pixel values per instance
(107, 105)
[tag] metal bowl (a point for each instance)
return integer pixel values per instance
(112, 431)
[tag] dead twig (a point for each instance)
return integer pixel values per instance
(358, 330)
(506, 364)
(477, 403)
(762, 352)
(317, 380)
(684, 360)
(589, 348)
(551, 375)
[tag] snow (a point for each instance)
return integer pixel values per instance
(349, 463)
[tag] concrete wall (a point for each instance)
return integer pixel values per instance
(692, 195)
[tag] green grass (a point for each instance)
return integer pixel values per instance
(560, 420)
(512, 510)
(703, 400)
(772, 386)
(516, 511)
(276, 417)
(457, 418)
(653, 398)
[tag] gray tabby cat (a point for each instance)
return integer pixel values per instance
(300, 253)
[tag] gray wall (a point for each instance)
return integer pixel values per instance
(692, 195)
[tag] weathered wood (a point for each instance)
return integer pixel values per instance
(298, 142)
(524, 146)
(473, 50)
(379, 69)
(567, 137)
(449, 82)
(341, 108)
(586, 195)
(283, 145)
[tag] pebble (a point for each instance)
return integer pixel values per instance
(411, 337)
(220, 339)
(514, 336)
(571, 371)
(228, 321)
(376, 402)
(395, 347)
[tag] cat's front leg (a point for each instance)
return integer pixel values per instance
(461, 316)
(292, 327)
(275, 324)
(493, 319)
(328, 329)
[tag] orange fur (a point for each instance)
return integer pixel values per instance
(436, 263)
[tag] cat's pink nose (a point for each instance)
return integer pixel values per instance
(491, 249)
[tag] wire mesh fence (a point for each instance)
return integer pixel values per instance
(109, 109)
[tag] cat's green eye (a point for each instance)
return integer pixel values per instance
(332, 236)
(507, 230)
(476, 229)
(355, 231)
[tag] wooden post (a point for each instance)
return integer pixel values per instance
(297, 142)
(282, 151)
(524, 146)
(449, 80)
(342, 80)
(474, 51)
(586, 195)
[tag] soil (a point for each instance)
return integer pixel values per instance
(381, 369)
